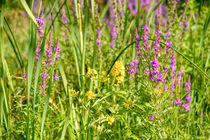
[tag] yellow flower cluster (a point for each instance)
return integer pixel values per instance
(119, 71)
(90, 95)
(129, 103)
(104, 76)
(73, 92)
(92, 73)
(110, 120)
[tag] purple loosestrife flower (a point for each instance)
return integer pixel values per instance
(178, 102)
(98, 40)
(64, 18)
(179, 77)
(132, 67)
(157, 41)
(201, 113)
(40, 27)
(187, 90)
(56, 76)
(57, 50)
(40, 30)
(24, 76)
(145, 29)
(44, 80)
(138, 46)
(186, 107)
(24, 14)
(132, 6)
(48, 49)
(173, 65)
(151, 117)
(155, 66)
(113, 36)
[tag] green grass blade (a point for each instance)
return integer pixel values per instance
(63, 76)
(8, 75)
(36, 81)
(25, 5)
(46, 103)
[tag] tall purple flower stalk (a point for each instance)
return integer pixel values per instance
(179, 77)
(132, 67)
(157, 41)
(138, 46)
(57, 50)
(64, 18)
(98, 40)
(145, 36)
(44, 80)
(24, 76)
(40, 30)
(50, 43)
(113, 36)
(187, 98)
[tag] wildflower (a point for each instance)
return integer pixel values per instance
(179, 77)
(40, 30)
(138, 46)
(132, 67)
(201, 113)
(92, 73)
(57, 50)
(119, 71)
(151, 117)
(145, 29)
(73, 92)
(110, 120)
(44, 80)
(49, 51)
(98, 40)
(24, 76)
(186, 107)
(157, 41)
(56, 76)
(113, 36)
(64, 18)
(187, 90)
(40, 27)
(90, 95)
(178, 102)
(129, 103)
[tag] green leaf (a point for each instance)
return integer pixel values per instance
(25, 5)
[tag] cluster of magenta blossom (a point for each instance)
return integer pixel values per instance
(98, 40)
(132, 67)
(40, 30)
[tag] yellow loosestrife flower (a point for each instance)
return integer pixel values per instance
(90, 95)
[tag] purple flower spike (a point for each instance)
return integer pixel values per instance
(132, 67)
(56, 76)
(186, 107)
(179, 77)
(178, 102)
(57, 50)
(44, 80)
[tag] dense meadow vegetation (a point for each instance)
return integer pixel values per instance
(104, 69)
